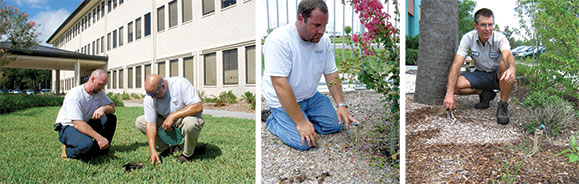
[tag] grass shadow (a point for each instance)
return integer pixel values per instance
(206, 151)
(128, 147)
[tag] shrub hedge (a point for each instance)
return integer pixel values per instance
(12, 102)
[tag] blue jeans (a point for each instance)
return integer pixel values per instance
(318, 110)
(82, 146)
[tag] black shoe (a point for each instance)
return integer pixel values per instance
(170, 150)
(265, 114)
(182, 158)
(485, 98)
(503, 113)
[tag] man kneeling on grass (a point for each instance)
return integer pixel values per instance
(169, 103)
(86, 123)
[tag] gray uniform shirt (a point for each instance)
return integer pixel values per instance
(486, 58)
(181, 93)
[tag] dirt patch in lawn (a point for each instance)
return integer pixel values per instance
(473, 148)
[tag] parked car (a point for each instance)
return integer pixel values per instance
(525, 53)
(3, 91)
(538, 51)
(518, 49)
(44, 91)
(30, 92)
(16, 91)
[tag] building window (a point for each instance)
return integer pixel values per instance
(98, 51)
(94, 14)
(250, 64)
(138, 28)
(210, 69)
(109, 41)
(130, 77)
(102, 43)
(174, 67)
(93, 51)
(138, 77)
(114, 3)
(147, 70)
(188, 68)
(110, 5)
(208, 6)
(121, 36)
(115, 39)
(161, 18)
(98, 12)
(230, 66)
(161, 69)
(103, 9)
(227, 3)
(130, 31)
(88, 17)
(121, 78)
(114, 79)
(110, 83)
(147, 24)
(187, 10)
(121, 2)
(173, 13)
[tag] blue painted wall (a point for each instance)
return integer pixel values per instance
(412, 23)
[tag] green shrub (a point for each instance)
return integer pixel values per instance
(12, 102)
(116, 98)
(412, 42)
(135, 96)
(411, 56)
(125, 96)
(542, 99)
(549, 110)
(228, 97)
(201, 95)
(249, 98)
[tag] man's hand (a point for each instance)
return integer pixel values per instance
(307, 132)
(449, 102)
(508, 75)
(155, 158)
(103, 142)
(343, 113)
(168, 123)
(98, 113)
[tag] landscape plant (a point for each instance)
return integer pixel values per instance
(573, 152)
(249, 98)
(17, 31)
(377, 65)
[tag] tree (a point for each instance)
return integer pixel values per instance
(438, 43)
(465, 16)
(17, 30)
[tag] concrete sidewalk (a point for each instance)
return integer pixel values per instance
(214, 113)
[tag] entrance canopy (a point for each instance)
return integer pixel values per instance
(43, 57)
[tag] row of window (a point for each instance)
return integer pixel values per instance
(99, 11)
(230, 70)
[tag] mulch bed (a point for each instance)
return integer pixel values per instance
(473, 148)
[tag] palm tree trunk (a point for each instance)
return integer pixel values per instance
(437, 46)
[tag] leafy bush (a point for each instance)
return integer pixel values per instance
(549, 110)
(412, 42)
(249, 98)
(12, 102)
(116, 98)
(573, 152)
(125, 96)
(228, 97)
(201, 95)
(135, 96)
(411, 56)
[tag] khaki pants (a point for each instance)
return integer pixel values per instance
(189, 126)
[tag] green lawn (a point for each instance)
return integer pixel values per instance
(30, 152)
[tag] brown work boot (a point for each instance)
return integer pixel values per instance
(63, 155)
(182, 158)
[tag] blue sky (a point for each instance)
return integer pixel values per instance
(48, 14)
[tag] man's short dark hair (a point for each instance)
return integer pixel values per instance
(306, 7)
(484, 12)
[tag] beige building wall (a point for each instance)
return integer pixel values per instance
(225, 29)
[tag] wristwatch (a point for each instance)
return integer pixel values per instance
(342, 105)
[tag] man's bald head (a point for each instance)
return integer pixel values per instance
(152, 83)
(96, 82)
(99, 74)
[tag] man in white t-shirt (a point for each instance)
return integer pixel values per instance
(171, 102)
(86, 123)
(296, 56)
(495, 67)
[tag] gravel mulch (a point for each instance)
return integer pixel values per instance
(337, 158)
(473, 148)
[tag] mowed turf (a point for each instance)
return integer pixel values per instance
(30, 152)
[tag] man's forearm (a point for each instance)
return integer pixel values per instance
(335, 86)
(189, 110)
(287, 99)
(453, 74)
(86, 129)
(109, 109)
(151, 131)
